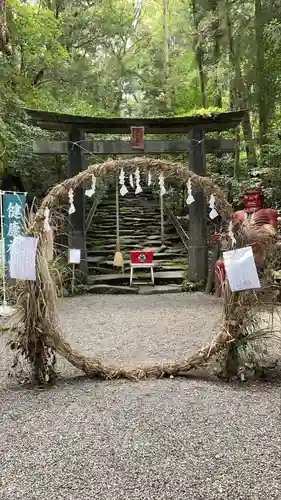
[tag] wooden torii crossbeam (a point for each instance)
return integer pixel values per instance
(125, 147)
(196, 145)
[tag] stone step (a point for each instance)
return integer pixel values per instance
(111, 289)
(164, 262)
(108, 267)
(159, 289)
(167, 255)
(129, 208)
(131, 241)
(123, 279)
(129, 211)
(96, 233)
(130, 204)
(152, 228)
(128, 219)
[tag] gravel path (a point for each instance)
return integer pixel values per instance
(173, 439)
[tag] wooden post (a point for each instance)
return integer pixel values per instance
(76, 227)
(198, 248)
(162, 220)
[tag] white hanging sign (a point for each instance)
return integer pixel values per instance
(149, 178)
(241, 269)
(23, 258)
(92, 190)
(74, 255)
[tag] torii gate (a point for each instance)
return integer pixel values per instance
(196, 145)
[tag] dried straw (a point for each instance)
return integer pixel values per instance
(38, 335)
(59, 192)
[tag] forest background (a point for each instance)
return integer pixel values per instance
(135, 58)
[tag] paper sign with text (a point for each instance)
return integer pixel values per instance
(23, 258)
(74, 256)
(241, 269)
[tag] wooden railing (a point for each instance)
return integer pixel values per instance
(178, 227)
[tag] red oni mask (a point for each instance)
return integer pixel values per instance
(252, 200)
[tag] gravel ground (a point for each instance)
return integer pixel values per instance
(172, 439)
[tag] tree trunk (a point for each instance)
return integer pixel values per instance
(237, 92)
(199, 55)
(260, 78)
(5, 46)
(166, 52)
(216, 33)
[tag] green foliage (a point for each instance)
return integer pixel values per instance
(125, 58)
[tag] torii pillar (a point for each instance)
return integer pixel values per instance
(76, 227)
(198, 248)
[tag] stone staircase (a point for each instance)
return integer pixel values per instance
(139, 229)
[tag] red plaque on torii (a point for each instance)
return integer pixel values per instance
(137, 134)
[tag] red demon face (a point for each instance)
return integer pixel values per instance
(251, 202)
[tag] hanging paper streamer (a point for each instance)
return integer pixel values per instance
(131, 180)
(72, 208)
(231, 235)
(161, 184)
(92, 190)
(47, 219)
(190, 198)
(123, 189)
(138, 186)
(213, 214)
(149, 178)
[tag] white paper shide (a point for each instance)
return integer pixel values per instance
(92, 190)
(137, 177)
(241, 269)
(23, 258)
(123, 189)
(190, 198)
(71, 209)
(213, 213)
(74, 255)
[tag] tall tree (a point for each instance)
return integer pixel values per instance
(199, 52)
(260, 75)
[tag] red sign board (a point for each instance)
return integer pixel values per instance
(137, 138)
(141, 257)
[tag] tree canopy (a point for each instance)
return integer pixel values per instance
(142, 58)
